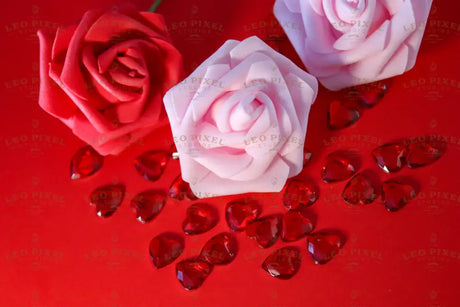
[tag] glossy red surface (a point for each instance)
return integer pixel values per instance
(408, 258)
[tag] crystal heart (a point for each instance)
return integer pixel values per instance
(220, 249)
(322, 247)
(341, 116)
(359, 190)
(370, 94)
(421, 153)
(180, 190)
(239, 213)
(295, 226)
(396, 195)
(192, 273)
(265, 230)
(390, 157)
(85, 162)
(299, 193)
(339, 166)
(107, 199)
(200, 217)
(283, 263)
(165, 248)
(151, 164)
(148, 204)
(306, 156)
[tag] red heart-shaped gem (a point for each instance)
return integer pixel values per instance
(240, 212)
(340, 116)
(180, 190)
(191, 273)
(283, 263)
(322, 247)
(371, 93)
(421, 153)
(396, 195)
(151, 164)
(339, 166)
(107, 199)
(200, 217)
(359, 190)
(264, 230)
(295, 226)
(220, 249)
(148, 204)
(85, 162)
(390, 157)
(299, 193)
(165, 248)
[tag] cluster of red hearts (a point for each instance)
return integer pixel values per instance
(243, 215)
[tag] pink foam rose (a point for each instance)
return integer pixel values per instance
(239, 120)
(351, 42)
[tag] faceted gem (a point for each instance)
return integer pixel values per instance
(390, 157)
(85, 162)
(151, 164)
(299, 193)
(200, 217)
(359, 190)
(107, 199)
(322, 247)
(396, 195)
(341, 116)
(165, 248)
(192, 272)
(295, 226)
(220, 249)
(370, 94)
(306, 156)
(422, 153)
(180, 190)
(338, 167)
(147, 205)
(265, 231)
(240, 212)
(283, 263)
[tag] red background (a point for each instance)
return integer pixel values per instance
(55, 251)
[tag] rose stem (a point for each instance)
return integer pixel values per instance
(154, 6)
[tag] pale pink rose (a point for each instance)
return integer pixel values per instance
(350, 42)
(239, 120)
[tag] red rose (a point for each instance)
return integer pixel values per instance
(105, 76)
